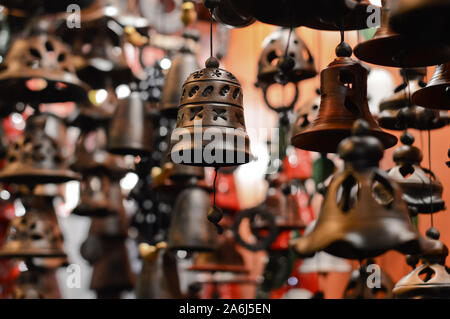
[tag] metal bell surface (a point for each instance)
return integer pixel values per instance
(39, 69)
(363, 214)
(391, 49)
(229, 15)
(189, 228)
(37, 157)
(436, 95)
(130, 130)
(210, 127)
(36, 283)
(343, 90)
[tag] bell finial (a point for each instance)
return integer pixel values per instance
(407, 153)
(344, 50)
(212, 63)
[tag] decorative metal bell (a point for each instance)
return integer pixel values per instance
(39, 69)
(36, 283)
(430, 280)
(224, 259)
(36, 157)
(159, 274)
(274, 48)
(211, 105)
(357, 287)
(436, 95)
(183, 64)
(343, 90)
(389, 48)
(363, 214)
(35, 234)
(130, 130)
(422, 191)
(189, 228)
(226, 13)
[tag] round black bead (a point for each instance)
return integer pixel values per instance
(360, 128)
(286, 63)
(344, 50)
(407, 138)
(433, 233)
(212, 62)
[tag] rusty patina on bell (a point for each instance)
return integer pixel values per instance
(274, 47)
(189, 228)
(37, 156)
(36, 283)
(422, 191)
(183, 64)
(130, 129)
(430, 280)
(363, 214)
(210, 124)
(357, 287)
(343, 91)
(35, 234)
(391, 49)
(39, 69)
(159, 274)
(436, 95)
(225, 258)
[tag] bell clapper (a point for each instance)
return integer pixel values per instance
(215, 214)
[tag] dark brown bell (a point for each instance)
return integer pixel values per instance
(422, 191)
(224, 259)
(183, 64)
(436, 95)
(159, 274)
(36, 157)
(357, 287)
(228, 15)
(111, 273)
(429, 17)
(210, 127)
(189, 227)
(130, 130)
(88, 116)
(274, 47)
(343, 91)
(363, 214)
(37, 283)
(389, 48)
(39, 69)
(100, 195)
(430, 280)
(111, 226)
(35, 234)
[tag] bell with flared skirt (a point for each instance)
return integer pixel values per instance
(363, 214)
(436, 95)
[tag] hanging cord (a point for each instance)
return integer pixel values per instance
(216, 170)
(431, 180)
(211, 32)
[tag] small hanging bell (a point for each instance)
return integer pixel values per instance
(431, 280)
(343, 90)
(130, 130)
(210, 106)
(183, 64)
(422, 191)
(36, 157)
(189, 229)
(159, 274)
(436, 95)
(35, 234)
(39, 69)
(391, 49)
(224, 259)
(363, 214)
(357, 287)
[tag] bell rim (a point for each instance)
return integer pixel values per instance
(441, 102)
(21, 174)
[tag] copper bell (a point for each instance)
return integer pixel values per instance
(436, 95)
(189, 228)
(35, 234)
(36, 157)
(274, 47)
(39, 69)
(211, 99)
(343, 91)
(224, 259)
(159, 274)
(363, 214)
(183, 64)
(389, 48)
(429, 17)
(130, 130)
(422, 191)
(430, 280)
(357, 287)
(37, 283)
